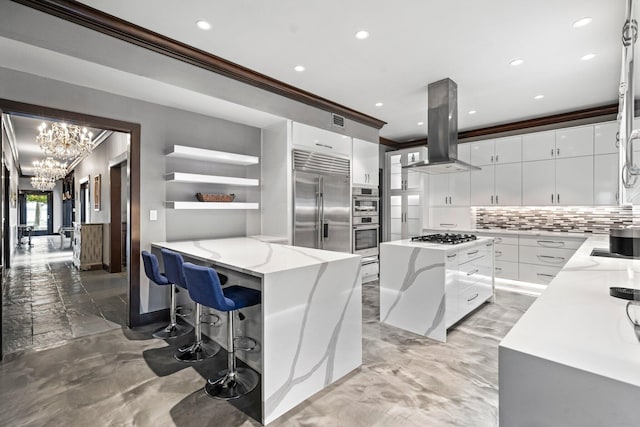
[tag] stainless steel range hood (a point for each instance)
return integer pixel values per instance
(442, 153)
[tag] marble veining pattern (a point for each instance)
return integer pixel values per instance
(125, 378)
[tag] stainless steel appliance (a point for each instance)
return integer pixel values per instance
(625, 241)
(367, 204)
(321, 201)
(365, 236)
(446, 239)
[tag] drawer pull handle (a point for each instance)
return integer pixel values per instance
(549, 276)
(472, 272)
(448, 225)
(473, 297)
(452, 256)
(550, 242)
(498, 253)
(325, 146)
(549, 257)
(489, 244)
(498, 269)
(472, 253)
(498, 239)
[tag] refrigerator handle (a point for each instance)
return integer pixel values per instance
(325, 227)
(321, 234)
(319, 213)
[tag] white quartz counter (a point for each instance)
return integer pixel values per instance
(573, 359)
(252, 255)
(577, 323)
(577, 235)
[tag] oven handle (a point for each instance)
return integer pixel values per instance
(366, 227)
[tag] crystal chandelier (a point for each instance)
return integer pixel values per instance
(43, 184)
(64, 141)
(50, 168)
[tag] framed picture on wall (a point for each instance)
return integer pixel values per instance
(96, 193)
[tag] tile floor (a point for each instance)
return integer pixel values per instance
(47, 301)
(124, 378)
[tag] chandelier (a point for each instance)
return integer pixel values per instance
(64, 141)
(43, 184)
(50, 168)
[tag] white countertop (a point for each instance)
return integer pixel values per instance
(438, 246)
(253, 256)
(575, 322)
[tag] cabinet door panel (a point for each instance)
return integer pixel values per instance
(574, 181)
(395, 167)
(574, 142)
(482, 187)
(459, 183)
(605, 174)
(508, 184)
(438, 190)
(538, 146)
(464, 152)
(482, 152)
(365, 162)
(508, 150)
(321, 140)
(538, 183)
(605, 138)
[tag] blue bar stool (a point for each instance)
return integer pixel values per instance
(205, 288)
(202, 348)
(152, 270)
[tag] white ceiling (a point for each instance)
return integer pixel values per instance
(412, 43)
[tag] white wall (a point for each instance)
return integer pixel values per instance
(13, 192)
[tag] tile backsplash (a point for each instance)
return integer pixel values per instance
(576, 219)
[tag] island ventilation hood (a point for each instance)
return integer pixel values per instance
(442, 153)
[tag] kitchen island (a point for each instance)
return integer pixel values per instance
(426, 288)
(309, 325)
(573, 359)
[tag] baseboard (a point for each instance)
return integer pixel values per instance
(154, 316)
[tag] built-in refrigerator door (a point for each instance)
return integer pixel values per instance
(336, 213)
(306, 209)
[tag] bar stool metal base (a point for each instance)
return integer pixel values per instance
(228, 387)
(197, 352)
(173, 330)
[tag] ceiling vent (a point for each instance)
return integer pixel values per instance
(337, 120)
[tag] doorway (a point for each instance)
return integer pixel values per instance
(36, 211)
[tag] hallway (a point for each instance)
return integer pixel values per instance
(47, 301)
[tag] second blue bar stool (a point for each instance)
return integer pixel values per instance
(205, 288)
(203, 347)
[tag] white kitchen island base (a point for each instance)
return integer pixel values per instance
(309, 324)
(425, 288)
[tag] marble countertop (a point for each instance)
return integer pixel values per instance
(438, 246)
(575, 322)
(580, 235)
(252, 255)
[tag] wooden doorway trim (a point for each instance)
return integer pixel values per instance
(133, 129)
(115, 225)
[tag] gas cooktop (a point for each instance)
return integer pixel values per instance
(447, 239)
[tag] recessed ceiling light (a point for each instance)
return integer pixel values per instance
(299, 68)
(588, 56)
(582, 22)
(362, 34)
(516, 62)
(538, 97)
(379, 104)
(420, 123)
(203, 25)
(472, 112)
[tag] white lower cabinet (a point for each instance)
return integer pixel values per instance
(507, 270)
(553, 257)
(539, 274)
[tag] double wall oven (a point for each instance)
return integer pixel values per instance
(366, 214)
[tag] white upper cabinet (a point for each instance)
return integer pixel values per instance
(538, 183)
(508, 187)
(494, 151)
(482, 186)
(482, 152)
(365, 163)
(449, 189)
(464, 152)
(605, 138)
(574, 181)
(574, 142)
(538, 146)
(605, 178)
(320, 140)
(508, 150)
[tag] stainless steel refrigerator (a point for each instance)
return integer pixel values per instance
(321, 201)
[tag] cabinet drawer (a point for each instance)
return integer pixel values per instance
(507, 270)
(471, 274)
(501, 238)
(554, 257)
(320, 140)
(474, 252)
(551, 242)
(474, 296)
(369, 270)
(506, 252)
(537, 273)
